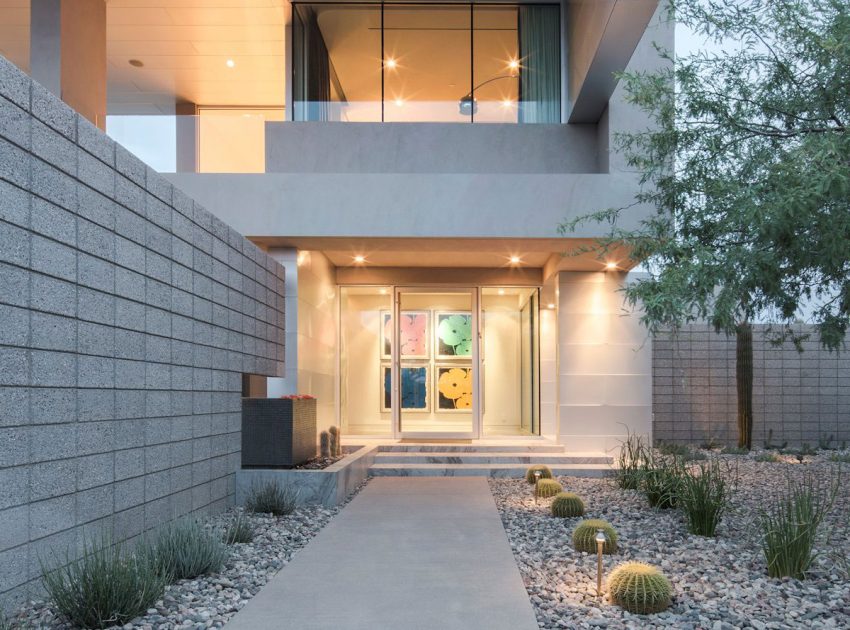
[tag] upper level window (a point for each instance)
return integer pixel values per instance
(426, 63)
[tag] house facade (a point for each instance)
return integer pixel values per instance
(409, 165)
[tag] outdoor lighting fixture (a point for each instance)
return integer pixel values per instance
(537, 474)
(230, 63)
(610, 265)
(600, 542)
(515, 260)
(468, 105)
(390, 63)
(359, 259)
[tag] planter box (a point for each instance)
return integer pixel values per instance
(277, 432)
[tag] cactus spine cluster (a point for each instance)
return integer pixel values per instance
(548, 488)
(545, 472)
(567, 505)
(584, 536)
(325, 444)
(639, 588)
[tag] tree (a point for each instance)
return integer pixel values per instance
(746, 171)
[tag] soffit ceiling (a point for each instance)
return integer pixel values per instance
(184, 45)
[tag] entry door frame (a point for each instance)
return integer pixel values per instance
(398, 432)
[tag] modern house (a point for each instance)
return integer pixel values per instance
(358, 201)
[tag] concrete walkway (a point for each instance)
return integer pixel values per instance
(424, 553)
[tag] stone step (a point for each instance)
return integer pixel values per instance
(529, 447)
(482, 470)
(494, 457)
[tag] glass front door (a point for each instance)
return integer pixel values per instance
(434, 367)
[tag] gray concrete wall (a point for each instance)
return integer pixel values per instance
(128, 315)
(802, 398)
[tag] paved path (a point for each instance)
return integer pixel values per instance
(416, 553)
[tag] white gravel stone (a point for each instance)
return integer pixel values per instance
(719, 583)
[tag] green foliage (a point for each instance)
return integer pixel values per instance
(639, 588)
(104, 586)
(735, 450)
(661, 480)
(790, 528)
(185, 549)
(704, 496)
(633, 452)
(324, 444)
(548, 488)
(272, 498)
(545, 472)
(769, 457)
(584, 536)
(239, 530)
(567, 505)
(841, 458)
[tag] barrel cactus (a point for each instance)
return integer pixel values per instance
(545, 472)
(639, 588)
(584, 536)
(548, 488)
(567, 505)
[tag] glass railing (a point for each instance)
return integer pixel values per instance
(403, 110)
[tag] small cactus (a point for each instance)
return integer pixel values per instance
(336, 441)
(584, 536)
(325, 444)
(548, 488)
(567, 505)
(545, 472)
(639, 588)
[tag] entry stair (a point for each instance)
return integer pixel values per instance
(494, 460)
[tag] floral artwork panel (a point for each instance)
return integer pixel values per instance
(414, 388)
(453, 334)
(413, 334)
(454, 388)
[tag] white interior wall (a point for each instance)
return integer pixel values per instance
(605, 364)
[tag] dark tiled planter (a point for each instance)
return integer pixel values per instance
(277, 432)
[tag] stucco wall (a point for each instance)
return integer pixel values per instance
(128, 315)
(802, 398)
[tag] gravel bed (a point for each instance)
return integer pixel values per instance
(719, 583)
(210, 600)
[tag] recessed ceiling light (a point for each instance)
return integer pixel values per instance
(359, 259)
(390, 63)
(507, 103)
(399, 102)
(230, 63)
(611, 265)
(515, 260)
(383, 291)
(501, 291)
(551, 305)
(136, 63)
(513, 64)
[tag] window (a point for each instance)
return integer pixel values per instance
(426, 63)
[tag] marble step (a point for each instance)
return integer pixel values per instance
(494, 457)
(482, 470)
(471, 448)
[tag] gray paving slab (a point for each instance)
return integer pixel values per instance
(421, 553)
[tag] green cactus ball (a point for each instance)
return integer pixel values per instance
(567, 505)
(548, 488)
(545, 472)
(584, 536)
(639, 588)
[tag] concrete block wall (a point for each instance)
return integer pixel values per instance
(128, 314)
(800, 397)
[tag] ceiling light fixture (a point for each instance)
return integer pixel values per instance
(513, 64)
(390, 63)
(501, 291)
(399, 102)
(515, 260)
(551, 305)
(507, 103)
(230, 63)
(136, 63)
(610, 265)
(359, 259)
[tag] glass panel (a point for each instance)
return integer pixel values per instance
(427, 63)
(436, 374)
(364, 354)
(509, 361)
(496, 64)
(233, 140)
(336, 62)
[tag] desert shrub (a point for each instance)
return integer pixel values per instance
(239, 530)
(789, 529)
(704, 495)
(584, 536)
(735, 450)
(768, 457)
(105, 586)
(567, 505)
(639, 588)
(633, 452)
(272, 498)
(545, 472)
(660, 481)
(548, 488)
(185, 549)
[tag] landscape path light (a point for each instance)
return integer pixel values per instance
(537, 474)
(600, 543)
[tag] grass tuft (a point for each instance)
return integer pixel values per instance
(704, 496)
(239, 530)
(633, 453)
(186, 549)
(272, 498)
